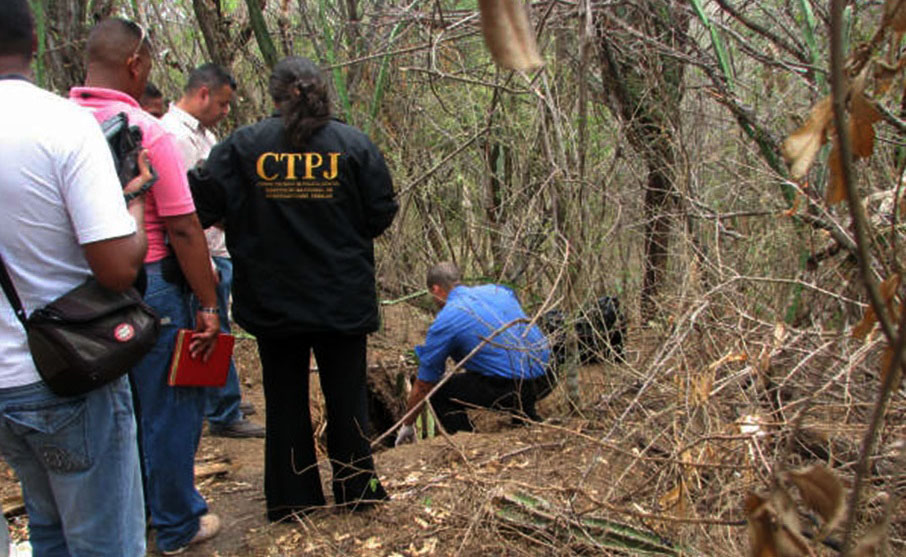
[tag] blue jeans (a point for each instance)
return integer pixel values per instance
(77, 460)
(222, 406)
(170, 420)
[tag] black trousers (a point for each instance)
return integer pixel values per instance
(470, 389)
(291, 479)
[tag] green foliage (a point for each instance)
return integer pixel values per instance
(37, 7)
(330, 54)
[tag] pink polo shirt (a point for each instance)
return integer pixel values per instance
(170, 195)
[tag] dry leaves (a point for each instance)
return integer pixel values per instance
(862, 118)
(774, 529)
(773, 526)
(888, 291)
(801, 147)
(822, 492)
(508, 34)
(871, 543)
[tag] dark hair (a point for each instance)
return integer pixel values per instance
(299, 91)
(17, 29)
(209, 75)
(152, 92)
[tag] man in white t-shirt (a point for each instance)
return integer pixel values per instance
(64, 219)
(204, 103)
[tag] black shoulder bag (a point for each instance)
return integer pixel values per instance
(87, 337)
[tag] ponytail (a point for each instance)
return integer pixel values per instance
(299, 91)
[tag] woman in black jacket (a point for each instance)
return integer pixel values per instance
(301, 197)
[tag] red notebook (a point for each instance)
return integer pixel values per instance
(186, 371)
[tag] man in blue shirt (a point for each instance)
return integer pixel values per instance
(505, 359)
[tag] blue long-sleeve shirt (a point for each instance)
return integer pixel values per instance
(470, 315)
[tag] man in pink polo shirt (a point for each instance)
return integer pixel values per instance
(170, 418)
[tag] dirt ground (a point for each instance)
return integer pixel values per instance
(450, 495)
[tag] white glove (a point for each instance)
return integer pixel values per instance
(405, 435)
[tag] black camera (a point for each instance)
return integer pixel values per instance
(125, 143)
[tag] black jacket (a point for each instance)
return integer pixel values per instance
(299, 226)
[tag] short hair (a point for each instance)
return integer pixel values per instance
(17, 29)
(446, 275)
(152, 92)
(209, 75)
(113, 40)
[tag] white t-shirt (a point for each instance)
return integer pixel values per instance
(195, 143)
(58, 190)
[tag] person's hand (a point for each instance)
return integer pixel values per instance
(405, 435)
(144, 176)
(207, 327)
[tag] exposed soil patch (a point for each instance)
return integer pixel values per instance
(449, 494)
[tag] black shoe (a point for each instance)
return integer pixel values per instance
(247, 408)
(282, 514)
(239, 429)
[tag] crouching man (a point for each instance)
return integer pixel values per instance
(505, 359)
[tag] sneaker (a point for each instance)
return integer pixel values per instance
(208, 527)
(239, 429)
(247, 408)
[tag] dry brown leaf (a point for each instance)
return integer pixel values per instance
(863, 116)
(701, 387)
(787, 536)
(774, 526)
(886, 361)
(822, 491)
(794, 208)
(508, 34)
(779, 335)
(889, 291)
(761, 538)
(895, 14)
(801, 147)
(889, 287)
(861, 330)
(672, 497)
(836, 192)
(728, 358)
(870, 544)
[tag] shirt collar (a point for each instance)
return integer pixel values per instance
(101, 94)
(187, 119)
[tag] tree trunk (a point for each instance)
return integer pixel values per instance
(262, 35)
(216, 36)
(66, 28)
(644, 89)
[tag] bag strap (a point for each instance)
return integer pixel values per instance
(10, 291)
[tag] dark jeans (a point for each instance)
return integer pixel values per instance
(170, 420)
(470, 390)
(291, 479)
(222, 406)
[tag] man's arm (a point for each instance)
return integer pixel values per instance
(188, 243)
(116, 262)
(419, 390)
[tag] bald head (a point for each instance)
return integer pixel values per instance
(118, 56)
(114, 40)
